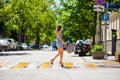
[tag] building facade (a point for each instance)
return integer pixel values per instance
(114, 24)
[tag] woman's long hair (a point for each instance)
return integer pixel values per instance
(58, 28)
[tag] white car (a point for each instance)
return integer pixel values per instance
(4, 45)
(12, 43)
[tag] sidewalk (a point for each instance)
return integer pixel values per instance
(108, 62)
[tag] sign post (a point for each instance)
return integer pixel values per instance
(99, 8)
(105, 35)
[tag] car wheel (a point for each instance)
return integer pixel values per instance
(75, 52)
(80, 54)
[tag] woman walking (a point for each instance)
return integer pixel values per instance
(59, 43)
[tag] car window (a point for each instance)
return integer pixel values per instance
(86, 42)
(83, 41)
(78, 41)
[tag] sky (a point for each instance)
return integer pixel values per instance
(57, 2)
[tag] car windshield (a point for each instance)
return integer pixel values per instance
(82, 41)
(24, 44)
(86, 42)
(3, 41)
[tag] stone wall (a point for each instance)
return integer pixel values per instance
(109, 45)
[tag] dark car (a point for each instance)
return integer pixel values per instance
(82, 47)
(30, 47)
(88, 45)
(54, 47)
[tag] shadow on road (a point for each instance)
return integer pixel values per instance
(11, 53)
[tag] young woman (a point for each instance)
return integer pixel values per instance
(59, 43)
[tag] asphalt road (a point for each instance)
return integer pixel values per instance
(26, 65)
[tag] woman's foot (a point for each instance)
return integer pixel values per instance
(61, 64)
(51, 61)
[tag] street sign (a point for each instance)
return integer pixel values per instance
(99, 2)
(112, 6)
(105, 23)
(99, 8)
(105, 17)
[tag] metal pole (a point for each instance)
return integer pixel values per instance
(97, 29)
(105, 35)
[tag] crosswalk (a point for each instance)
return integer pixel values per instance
(43, 65)
(47, 65)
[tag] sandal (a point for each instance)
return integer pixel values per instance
(51, 61)
(61, 64)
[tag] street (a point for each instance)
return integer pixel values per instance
(26, 65)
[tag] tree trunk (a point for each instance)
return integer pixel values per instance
(2, 30)
(95, 18)
(22, 37)
(37, 40)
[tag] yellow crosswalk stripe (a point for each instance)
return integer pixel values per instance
(1, 64)
(45, 65)
(68, 64)
(91, 65)
(21, 65)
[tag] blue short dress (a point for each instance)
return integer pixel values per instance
(58, 42)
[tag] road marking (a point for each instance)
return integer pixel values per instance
(45, 65)
(91, 65)
(1, 64)
(21, 65)
(8, 66)
(111, 62)
(68, 65)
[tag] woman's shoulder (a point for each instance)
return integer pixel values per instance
(57, 32)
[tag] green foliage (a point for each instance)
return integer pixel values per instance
(36, 19)
(29, 19)
(98, 47)
(77, 17)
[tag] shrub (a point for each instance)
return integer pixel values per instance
(98, 47)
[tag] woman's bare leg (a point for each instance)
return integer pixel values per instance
(61, 55)
(55, 57)
(52, 60)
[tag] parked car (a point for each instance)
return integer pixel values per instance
(18, 46)
(12, 43)
(82, 47)
(30, 47)
(54, 46)
(44, 46)
(22, 46)
(4, 45)
(88, 45)
(0, 48)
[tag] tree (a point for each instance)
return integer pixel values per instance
(78, 18)
(2, 22)
(31, 18)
